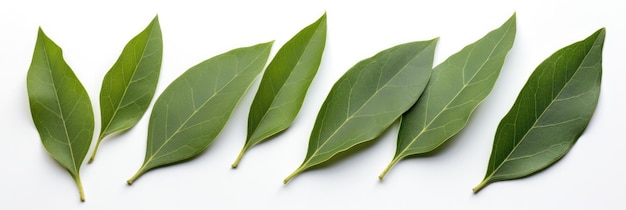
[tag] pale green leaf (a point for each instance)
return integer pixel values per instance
(129, 86)
(551, 111)
(60, 107)
(457, 86)
(194, 108)
(367, 99)
(284, 84)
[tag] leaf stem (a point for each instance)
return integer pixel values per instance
(393, 163)
(80, 188)
(137, 175)
(292, 175)
(480, 186)
(95, 150)
(236, 163)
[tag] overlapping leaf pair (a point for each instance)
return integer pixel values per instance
(378, 91)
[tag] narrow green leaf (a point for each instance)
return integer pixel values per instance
(367, 99)
(284, 84)
(60, 107)
(551, 111)
(129, 86)
(194, 108)
(457, 86)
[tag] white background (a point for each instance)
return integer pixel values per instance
(92, 34)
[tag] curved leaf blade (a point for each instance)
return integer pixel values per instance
(457, 86)
(551, 111)
(194, 108)
(367, 99)
(284, 84)
(60, 107)
(129, 86)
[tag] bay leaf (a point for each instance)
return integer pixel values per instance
(457, 86)
(129, 86)
(194, 108)
(367, 99)
(60, 107)
(284, 84)
(550, 113)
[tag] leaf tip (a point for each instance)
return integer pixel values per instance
(602, 31)
(513, 17)
(40, 32)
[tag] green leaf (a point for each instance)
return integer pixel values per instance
(129, 86)
(60, 107)
(194, 108)
(551, 111)
(367, 99)
(457, 86)
(284, 84)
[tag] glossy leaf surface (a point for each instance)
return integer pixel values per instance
(194, 108)
(284, 84)
(551, 111)
(457, 86)
(60, 107)
(367, 99)
(129, 86)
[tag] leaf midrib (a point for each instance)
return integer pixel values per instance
(105, 129)
(196, 110)
(361, 107)
(427, 127)
(265, 113)
(491, 175)
(61, 115)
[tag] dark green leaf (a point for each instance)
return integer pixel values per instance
(195, 107)
(368, 98)
(129, 86)
(456, 88)
(60, 107)
(284, 84)
(551, 111)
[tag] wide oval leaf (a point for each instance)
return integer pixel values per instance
(129, 86)
(551, 111)
(194, 108)
(60, 107)
(284, 84)
(457, 86)
(367, 99)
